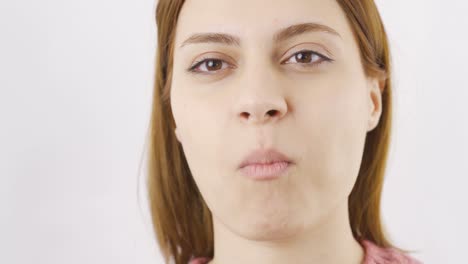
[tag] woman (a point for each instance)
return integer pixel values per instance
(270, 132)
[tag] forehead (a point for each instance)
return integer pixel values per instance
(257, 19)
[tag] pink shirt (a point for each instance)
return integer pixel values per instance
(373, 255)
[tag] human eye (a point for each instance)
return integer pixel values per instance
(209, 65)
(307, 58)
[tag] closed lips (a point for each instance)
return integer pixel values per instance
(264, 156)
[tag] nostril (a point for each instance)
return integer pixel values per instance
(272, 112)
(245, 114)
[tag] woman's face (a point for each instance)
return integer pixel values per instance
(301, 92)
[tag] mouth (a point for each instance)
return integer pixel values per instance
(265, 164)
(261, 171)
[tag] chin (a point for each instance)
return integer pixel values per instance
(271, 228)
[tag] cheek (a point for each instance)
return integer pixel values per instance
(189, 108)
(199, 131)
(350, 134)
(332, 118)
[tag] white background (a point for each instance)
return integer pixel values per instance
(75, 92)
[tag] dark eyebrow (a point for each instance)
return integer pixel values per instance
(280, 36)
(212, 38)
(298, 29)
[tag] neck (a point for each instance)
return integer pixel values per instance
(330, 242)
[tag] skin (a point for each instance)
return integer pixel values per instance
(322, 117)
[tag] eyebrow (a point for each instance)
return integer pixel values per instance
(280, 36)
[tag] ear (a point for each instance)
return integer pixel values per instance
(376, 88)
(177, 135)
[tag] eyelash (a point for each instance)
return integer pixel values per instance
(323, 59)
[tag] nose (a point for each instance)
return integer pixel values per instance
(261, 111)
(262, 99)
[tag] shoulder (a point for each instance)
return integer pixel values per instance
(373, 255)
(199, 260)
(379, 255)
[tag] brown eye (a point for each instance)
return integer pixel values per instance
(304, 57)
(307, 57)
(213, 65)
(208, 65)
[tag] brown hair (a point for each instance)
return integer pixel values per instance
(181, 219)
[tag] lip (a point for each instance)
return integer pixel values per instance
(264, 164)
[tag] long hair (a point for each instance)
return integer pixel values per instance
(181, 219)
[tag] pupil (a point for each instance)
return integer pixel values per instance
(303, 58)
(213, 64)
